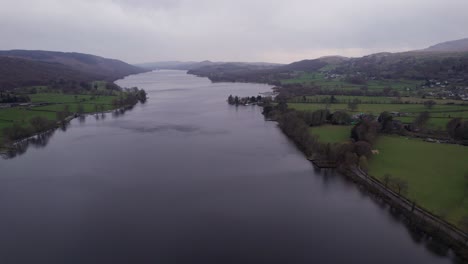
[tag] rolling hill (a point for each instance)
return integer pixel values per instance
(25, 67)
(460, 45)
(446, 61)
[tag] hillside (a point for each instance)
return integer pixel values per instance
(409, 65)
(460, 45)
(23, 67)
(305, 65)
(167, 65)
(236, 71)
(191, 65)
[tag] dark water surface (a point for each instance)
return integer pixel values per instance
(186, 178)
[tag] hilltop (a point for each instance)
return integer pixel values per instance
(460, 45)
(34, 67)
(445, 61)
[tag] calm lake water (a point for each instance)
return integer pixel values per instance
(186, 178)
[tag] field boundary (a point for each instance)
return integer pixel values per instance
(438, 224)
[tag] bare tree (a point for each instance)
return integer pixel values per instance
(421, 120)
(387, 179)
(80, 109)
(353, 105)
(401, 185)
(429, 104)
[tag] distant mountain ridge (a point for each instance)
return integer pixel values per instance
(444, 61)
(191, 65)
(460, 45)
(36, 67)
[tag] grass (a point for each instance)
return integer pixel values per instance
(69, 98)
(319, 79)
(379, 108)
(375, 99)
(2, 126)
(433, 123)
(22, 115)
(331, 134)
(434, 173)
(88, 108)
(57, 98)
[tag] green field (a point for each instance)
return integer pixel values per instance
(331, 134)
(319, 79)
(434, 173)
(440, 114)
(433, 123)
(375, 109)
(88, 108)
(22, 115)
(58, 101)
(68, 98)
(374, 99)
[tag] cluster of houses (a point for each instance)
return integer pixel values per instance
(458, 93)
(435, 83)
(333, 76)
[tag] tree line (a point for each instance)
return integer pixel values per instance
(8, 97)
(39, 124)
(236, 100)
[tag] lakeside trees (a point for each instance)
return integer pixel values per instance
(296, 129)
(23, 126)
(366, 130)
(8, 97)
(130, 97)
(458, 129)
(236, 100)
(421, 120)
(316, 118)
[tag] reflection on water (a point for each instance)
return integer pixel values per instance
(187, 179)
(19, 148)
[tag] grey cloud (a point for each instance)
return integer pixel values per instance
(242, 30)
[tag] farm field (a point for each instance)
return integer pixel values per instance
(374, 99)
(434, 173)
(22, 115)
(319, 79)
(379, 108)
(331, 133)
(87, 107)
(68, 98)
(433, 123)
(57, 102)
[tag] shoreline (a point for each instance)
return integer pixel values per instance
(5, 148)
(419, 219)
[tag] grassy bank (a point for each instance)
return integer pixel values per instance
(434, 173)
(452, 110)
(331, 133)
(321, 80)
(56, 102)
(440, 114)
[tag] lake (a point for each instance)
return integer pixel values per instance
(187, 178)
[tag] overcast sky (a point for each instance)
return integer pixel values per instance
(238, 30)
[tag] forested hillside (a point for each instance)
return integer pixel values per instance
(25, 68)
